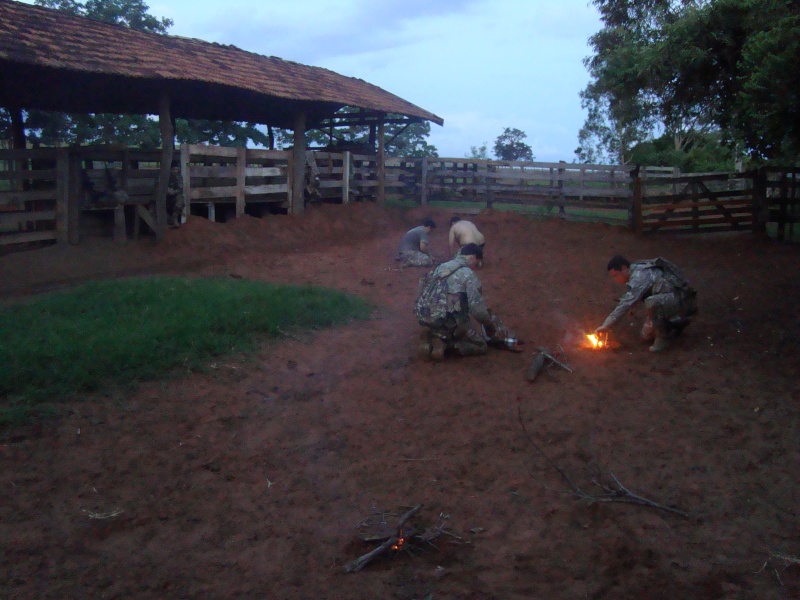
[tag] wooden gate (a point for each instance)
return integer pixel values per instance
(694, 203)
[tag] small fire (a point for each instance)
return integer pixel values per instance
(400, 541)
(597, 341)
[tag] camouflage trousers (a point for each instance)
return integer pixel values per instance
(663, 307)
(462, 338)
(414, 258)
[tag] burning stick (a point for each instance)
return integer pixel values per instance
(597, 341)
(394, 543)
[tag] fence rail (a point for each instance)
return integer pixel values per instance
(55, 194)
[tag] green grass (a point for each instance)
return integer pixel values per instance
(107, 335)
(613, 216)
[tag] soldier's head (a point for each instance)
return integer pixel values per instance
(619, 269)
(473, 252)
(429, 223)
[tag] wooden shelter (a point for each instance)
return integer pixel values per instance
(51, 60)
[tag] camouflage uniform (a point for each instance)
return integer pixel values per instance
(409, 253)
(666, 295)
(464, 299)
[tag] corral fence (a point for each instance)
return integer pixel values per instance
(767, 198)
(60, 194)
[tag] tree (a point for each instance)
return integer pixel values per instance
(690, 69)
(741, 70)
(704, 154)
(400, 139)
(509, 145)
(479, 152)
(623, 109)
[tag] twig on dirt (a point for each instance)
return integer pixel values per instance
(362, 561)
(108, 515)
(787, 557)
(612, 493)
(288, 335)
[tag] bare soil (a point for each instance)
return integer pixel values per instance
(249, 480)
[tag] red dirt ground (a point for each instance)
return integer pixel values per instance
(249, 480)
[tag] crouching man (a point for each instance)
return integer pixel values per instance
(449, 295)
(668, 298)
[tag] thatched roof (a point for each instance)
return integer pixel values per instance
(54, 61)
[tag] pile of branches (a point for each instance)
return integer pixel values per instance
(406, 535)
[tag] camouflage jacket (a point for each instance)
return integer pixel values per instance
(464, 289)
(647, 279)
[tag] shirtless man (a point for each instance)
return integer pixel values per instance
(463, 233)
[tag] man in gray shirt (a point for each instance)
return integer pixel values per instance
(413, 250)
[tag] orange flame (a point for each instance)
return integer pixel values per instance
(400, 541)
(596, 341)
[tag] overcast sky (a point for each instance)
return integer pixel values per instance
(481, 65)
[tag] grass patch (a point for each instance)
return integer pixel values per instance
(104, 335)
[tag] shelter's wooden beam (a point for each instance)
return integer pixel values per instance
(167, 149)
(18, 140)
(381, 165)
(298, 163)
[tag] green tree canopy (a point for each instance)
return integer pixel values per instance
(399, 139)
(690, 69)
(479, 152)
(509, 145)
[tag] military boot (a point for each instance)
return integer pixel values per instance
(648, 332)
(660, 330)
(425, 345)
(677, 324)
(438, 348)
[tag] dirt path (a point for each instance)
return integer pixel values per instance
(248, 481)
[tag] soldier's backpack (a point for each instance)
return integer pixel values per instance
(675, 277)
(431, 305)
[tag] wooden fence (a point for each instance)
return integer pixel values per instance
(777, 201)
(60, 194)
(54, 194)
(487, 184)
(228, 182)
(233, 181)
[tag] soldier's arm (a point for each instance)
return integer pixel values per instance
(477, 306)
(637, 288)
(452, 238)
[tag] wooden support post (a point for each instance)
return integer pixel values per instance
(18, 142)
(381, 164)
(297, 204)
(346, 177)
(424, 182)
(637, 206)
(561, 211)
(74, 199)
(120, 235)
(759, 187)
(167, 149)
(62, 195)
(212, 212)
(186, 158)
(241, 175)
